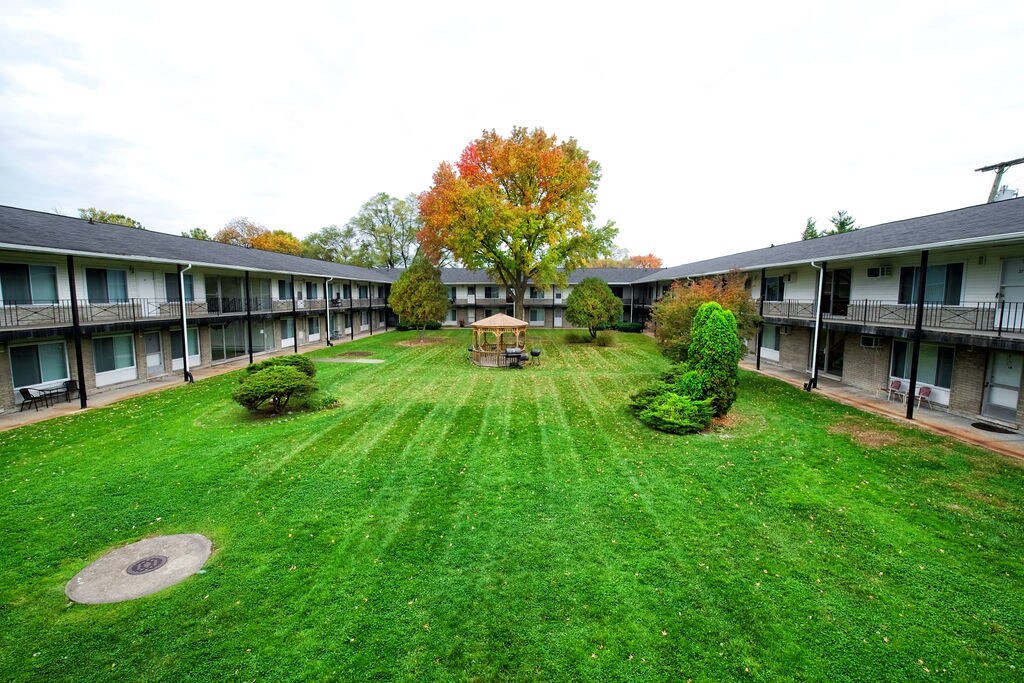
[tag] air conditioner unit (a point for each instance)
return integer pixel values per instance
(789, 277)
(869, 342)
(785, 329)
(880, 271)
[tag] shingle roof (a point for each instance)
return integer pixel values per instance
(23, 229)
(993, 222)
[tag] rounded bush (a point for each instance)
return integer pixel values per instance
(676, 414)
(275, 385)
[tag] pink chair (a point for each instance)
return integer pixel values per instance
(924, 394)
(896, 389)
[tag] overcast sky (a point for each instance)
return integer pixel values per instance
(719, 129)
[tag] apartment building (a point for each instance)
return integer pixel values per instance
(934, 303)
(104, 305)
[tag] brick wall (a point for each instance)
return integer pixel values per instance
(866, 369)
(968, 388)
(794, 348)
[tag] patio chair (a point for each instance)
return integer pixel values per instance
(924, 394)
(30, 399)
(895, 388)
(70, 387)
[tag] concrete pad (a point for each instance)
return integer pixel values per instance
(140, 569)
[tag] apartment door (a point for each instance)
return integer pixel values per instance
(836, 292)
(830, 355)
(146, 282)
(1002, 387)
(154, 353)
(1010, 313)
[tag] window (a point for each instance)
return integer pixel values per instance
(364, 318)
(536, 292)
(452, 315)
(451, 293)
(558, 294)
(536, 315)
(21, 284)
(311, 290)
(617, 291)
(113, 353)
(942, 286)
(770, 337)
(313, 325)
(491, 293)
(105, 286)
(171, 284)
(364, 292)
(193, 343)
(774, 288)
(380, 291)
(38, 363)
(346, 291)
(934, 367)
(287, 328)
(284, 290)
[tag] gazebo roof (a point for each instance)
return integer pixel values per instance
(500, 321)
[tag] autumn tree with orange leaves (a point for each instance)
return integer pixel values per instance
(673, 313)
(244, 233)
(519, 207)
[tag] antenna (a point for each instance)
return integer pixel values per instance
(1000, 169)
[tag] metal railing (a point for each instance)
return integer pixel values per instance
(1002, 317)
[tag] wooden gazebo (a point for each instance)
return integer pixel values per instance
(493, 336)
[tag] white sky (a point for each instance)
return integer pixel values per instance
(719, 129)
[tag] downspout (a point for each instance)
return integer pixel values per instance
(760, 325)
(351, 312)
(327, 307)
(248, 314)
(187, 376)
(370, 292)
(812, 383)
(918, 324)
(295, 320)
(76, 329)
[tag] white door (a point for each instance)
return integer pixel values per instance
(154, 353)
(1002, 390)
(1010, 310)
(146, 283)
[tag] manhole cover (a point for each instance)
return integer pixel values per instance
(986, 427)
(147, 565)
(132, 571)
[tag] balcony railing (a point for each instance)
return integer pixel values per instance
(1003, 317)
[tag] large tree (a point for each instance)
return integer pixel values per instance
(243, 232)
(591, 304)
(332, 243)
(519, 207)
(386, 227)
(419, 296)
(94, 215)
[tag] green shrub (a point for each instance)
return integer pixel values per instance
(642, 399)
(577, 338)
(604, 339)
(301, 363)
(714, 354)
(676, 414)
(629, 327)
(319, 401)
(276, 385)
(433, 325)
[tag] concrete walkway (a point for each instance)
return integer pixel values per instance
(934, 420)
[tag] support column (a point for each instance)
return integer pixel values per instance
(915, 357)
(76, 333)
(248, 315)
(295, 320)
(760, 325)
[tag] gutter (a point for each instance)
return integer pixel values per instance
(184, 322)
(812, 383)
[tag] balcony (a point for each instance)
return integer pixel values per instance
(58, 314)
(990, 317)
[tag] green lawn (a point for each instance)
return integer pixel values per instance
(449, 522)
